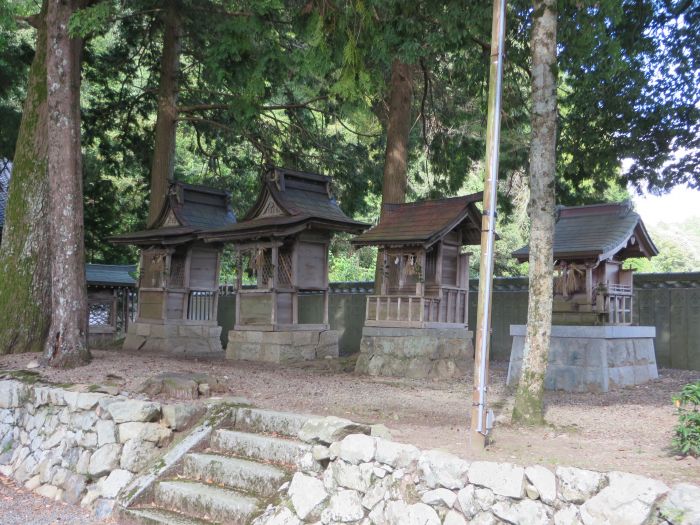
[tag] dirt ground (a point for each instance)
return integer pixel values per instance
(626, 429)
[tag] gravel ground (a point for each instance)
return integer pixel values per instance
(626, 429)
(18, 506)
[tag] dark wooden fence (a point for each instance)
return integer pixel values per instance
(671, 302)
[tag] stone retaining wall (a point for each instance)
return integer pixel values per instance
(373, 481)
(81, 447)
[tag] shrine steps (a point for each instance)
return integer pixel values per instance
(233, 477)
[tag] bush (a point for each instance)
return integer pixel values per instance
(687, 432)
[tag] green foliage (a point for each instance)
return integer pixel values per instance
(679, 248)
(687, 433)
(348, 264)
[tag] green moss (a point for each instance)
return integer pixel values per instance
(8, 446)
(26, 376)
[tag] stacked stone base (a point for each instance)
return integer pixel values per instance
(591, 358)
(418, 353)
(282, 346)
(177, 339)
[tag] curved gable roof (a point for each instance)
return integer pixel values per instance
(288, 201)
(425, 222)
(598, 231)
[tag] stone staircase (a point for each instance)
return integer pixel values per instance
(233, 477)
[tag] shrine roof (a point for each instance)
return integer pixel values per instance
(110, 274)
(187, 210)
(289, 201)
(425, 222)
(598, 232)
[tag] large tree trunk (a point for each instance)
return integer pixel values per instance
(529, 407)
(66, 344)
(25, 272)
(397, 132)
(163, 165)
(398, 129)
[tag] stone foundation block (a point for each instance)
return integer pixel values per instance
(591, 358)
(415, 352)
(282, 346)
(190, 339)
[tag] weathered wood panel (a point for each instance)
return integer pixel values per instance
(203, 269)
(312, 262)
(256, 309)
(284, 308)
(175, 305)
(151, 305)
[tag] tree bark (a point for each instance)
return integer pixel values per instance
(529, 407)
(398, 128)
(66, 344)
(163, 165)
(25, 271)
(395, 180)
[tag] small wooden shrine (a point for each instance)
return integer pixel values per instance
(423, 289)
(111, 299)
(593, 343)
(179, 273)
(281, 253)
(590, 245)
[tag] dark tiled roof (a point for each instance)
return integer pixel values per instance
(288, 201)
(598, 231)
(196, 208)
(110, 274)
(5, 171)
(425, 222)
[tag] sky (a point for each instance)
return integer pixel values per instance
(675, 206)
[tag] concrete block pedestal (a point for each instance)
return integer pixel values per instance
(178, 339)
(433, 353)
(282, 346)
(591, 358)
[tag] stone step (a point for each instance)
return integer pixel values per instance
(234, 473)
(269, 422)
(155, 516)
(207, 502)
(292, 454)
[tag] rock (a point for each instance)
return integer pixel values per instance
(352, 476)
(376, 493)
(13, 394)
(73, 488)
(627, 500)
(439, 496)
(380, 431)
(344, 507)
(454, 518)
(180, 416)
(116, 481)
(55, 438)
(152, 432)
(357, 448)
(104, 460)
(682, 505)
(279, 516)
(47, 491)
(567, 516)
(33, 482)
(329, 429)
(400, 513)
(376, 515)
(544, 482)
(306, 493)
(396, 455)
(106, 432)
(103, 508)
(83, 464)
(466, 500)
(31, 365)
(443, 469)
(577, 485)
(504, 479)
(524, 512)
(134, 410)
(86, 400)
(484, 498)
(320, 452)
(137, 454)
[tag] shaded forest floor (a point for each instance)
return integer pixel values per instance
(627, 429)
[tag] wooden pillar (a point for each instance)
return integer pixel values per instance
(384, 272)
(589, 284)
(274, 259)
(239, 285)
